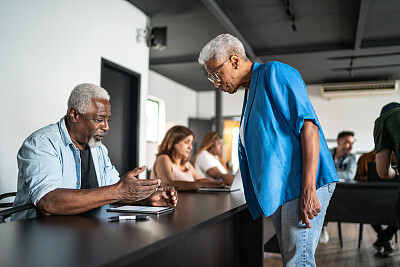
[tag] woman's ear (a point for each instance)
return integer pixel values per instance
(235, 60)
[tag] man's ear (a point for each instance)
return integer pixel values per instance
(73, 115)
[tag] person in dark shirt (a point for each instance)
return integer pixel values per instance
(387, 141)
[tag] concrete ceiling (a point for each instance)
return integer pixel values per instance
(327, 41)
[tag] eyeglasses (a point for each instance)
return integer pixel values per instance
(213, 76)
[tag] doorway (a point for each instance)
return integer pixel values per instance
(122, 140)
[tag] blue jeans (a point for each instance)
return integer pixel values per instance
(297, 242)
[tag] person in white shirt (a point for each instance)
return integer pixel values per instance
(208, 161)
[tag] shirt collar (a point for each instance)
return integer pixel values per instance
(64, 132)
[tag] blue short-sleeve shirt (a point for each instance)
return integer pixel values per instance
(271, 159)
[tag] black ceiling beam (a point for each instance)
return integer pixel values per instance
(173, 60)
(362, 19)
(380, 42)
(227, 23)
(364, 56)
(367, 67)
(303, 49)
(288, 51)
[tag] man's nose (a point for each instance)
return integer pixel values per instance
(106, 126)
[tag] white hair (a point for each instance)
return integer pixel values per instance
(221, 48)
(82, 95)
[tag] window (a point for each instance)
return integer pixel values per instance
(155, 119)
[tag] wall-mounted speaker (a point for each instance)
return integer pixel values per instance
(158, 38)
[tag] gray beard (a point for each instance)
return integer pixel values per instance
(93, 142)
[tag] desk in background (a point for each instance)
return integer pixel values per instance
(206, 229)
(363, 202)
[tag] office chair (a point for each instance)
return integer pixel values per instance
(7, 209)
(7, 204)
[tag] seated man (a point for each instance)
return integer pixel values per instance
(345, 162)
(64, 168)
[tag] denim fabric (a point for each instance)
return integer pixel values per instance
(298, 243)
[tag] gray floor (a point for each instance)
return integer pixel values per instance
(331, 254)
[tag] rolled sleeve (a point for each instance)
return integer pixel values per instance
(300, 122)
(39, 168)
(290, 97)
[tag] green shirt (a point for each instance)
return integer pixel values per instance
(387, 132)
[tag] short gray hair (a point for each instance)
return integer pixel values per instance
(221, 48)
(82, 95)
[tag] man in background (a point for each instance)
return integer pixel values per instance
(345, 162)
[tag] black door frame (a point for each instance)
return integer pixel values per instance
(112, 65)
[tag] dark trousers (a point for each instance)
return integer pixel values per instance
(384, 235)
(397, 210)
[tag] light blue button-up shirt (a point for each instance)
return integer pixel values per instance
(49, 160)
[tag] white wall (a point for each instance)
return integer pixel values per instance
(46, 48)
(180, 105)
(350, 113)
(231, 104)
(357, 114)
(180, 101)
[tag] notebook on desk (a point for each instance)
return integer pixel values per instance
(236, 185)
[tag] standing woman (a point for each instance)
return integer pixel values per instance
(286, 167)
(208, 161)
(172, 164)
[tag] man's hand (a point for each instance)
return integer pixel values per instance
(309, 207)
(132, 189)
(165, 196)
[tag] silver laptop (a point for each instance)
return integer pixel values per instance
(236, 185)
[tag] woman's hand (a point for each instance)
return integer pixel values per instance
(309, 206)
(211, 183)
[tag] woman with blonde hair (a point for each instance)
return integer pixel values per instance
(172, 164)
(208, 161)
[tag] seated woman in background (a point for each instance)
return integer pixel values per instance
(172, 164)
(208, 160)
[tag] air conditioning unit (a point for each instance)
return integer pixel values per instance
(359, 89)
